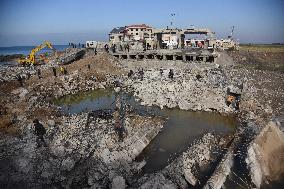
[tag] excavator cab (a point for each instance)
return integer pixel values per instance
(31, 58)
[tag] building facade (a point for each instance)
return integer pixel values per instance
(138, 32)
(170, 38)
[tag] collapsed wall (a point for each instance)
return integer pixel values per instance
(265, 158)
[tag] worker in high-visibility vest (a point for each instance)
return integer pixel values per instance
(230, 99)
(62, 70)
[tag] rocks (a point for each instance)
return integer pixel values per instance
(218, 178)
(70, 55)
(235, 89)
(263, 155)
(75, 147)
(93, 149)
(67, 164)
(184, 91)
(118, 183)
(182, 169)
(159, 182)
(21, 92)
(51, 123)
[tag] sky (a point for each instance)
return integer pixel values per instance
(29, 22)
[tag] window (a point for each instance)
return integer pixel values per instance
(131, 29)
(136, 33)
(136, 29)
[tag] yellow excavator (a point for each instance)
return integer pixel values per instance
(30, 59)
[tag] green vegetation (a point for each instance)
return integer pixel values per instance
(262, 57)
(262, 48)
(264, 67)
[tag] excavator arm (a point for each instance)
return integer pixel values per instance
(31, 57)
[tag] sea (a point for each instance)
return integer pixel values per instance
(25, 50)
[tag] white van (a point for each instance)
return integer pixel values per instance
(91, 44)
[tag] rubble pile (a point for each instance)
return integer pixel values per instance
(185, 171)
(189, 89)
(69, 84)
(70, 55)
(73, 146)
(8, 73)
(85, 152)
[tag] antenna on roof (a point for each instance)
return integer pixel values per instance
(232, 32)
(172, 15)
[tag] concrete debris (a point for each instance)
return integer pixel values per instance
(118, 183)
(70, 55)
(158, 181)
(265, 159)
(186, 91)
(182, 170)
(221, 172)
(83, 143)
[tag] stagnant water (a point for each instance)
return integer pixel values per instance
(180, 129)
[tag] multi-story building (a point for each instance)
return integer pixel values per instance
(140, 31)
(137, 32)
(170, 38)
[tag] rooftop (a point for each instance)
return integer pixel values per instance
(139, 26)
(118, 30)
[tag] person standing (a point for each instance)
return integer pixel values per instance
(171, 74)
(161, 72)
(141, 74)
(20, 79)
(40, 131)
(127, 47)
(130, 73)
(61, 70)
(39, 73)
(113, 48)
(29, 75)
(106, 47)
(54, 71)
(65, 71)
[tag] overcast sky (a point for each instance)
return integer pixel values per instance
(29, 22)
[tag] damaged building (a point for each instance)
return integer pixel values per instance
(137, 32)
(169, 38)
(154, 38)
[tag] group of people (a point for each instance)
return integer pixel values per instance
(63, 71)
(113, 48)
(140, 73)
(73, 45)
